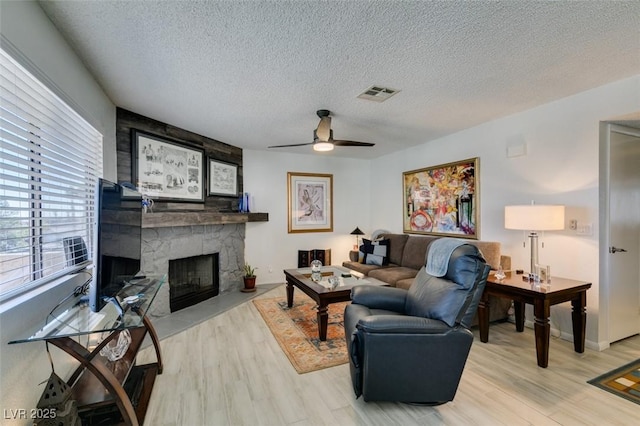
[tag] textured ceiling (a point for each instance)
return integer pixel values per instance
(253, 73)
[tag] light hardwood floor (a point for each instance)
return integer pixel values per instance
(229, 370)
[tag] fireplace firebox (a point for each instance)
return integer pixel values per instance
(193, 280)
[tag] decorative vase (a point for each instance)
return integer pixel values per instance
(316, 271)
(116, 348)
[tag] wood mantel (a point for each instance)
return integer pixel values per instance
(189, 218)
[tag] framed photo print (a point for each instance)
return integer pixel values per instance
(165, 169)
(442, 200)
(309, 202)
(223, 178)
(544, 272)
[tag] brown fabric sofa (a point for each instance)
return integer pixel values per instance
(408, 253)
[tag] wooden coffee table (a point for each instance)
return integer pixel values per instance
(321, 293)
(542, 297)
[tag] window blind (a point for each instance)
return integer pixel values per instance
(50, 160)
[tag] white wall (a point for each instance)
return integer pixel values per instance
(28, 35)
(560, 167)
(268, 245)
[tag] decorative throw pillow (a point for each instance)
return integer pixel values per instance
(374, 252)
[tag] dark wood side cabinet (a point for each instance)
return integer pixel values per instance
(542, 296)
(305, 257)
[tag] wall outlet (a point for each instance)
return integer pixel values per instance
(573, 224)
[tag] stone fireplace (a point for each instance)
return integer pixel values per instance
(161, 244)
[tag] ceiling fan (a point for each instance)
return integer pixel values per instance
(323, 136)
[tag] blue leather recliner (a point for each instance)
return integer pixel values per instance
(412, 346)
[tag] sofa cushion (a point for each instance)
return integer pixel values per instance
(362, 268)
(375, 252)
(490, 251)
(415, 251)
(392, 275)
(396, 247)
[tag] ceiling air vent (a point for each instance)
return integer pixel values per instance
(377, 93)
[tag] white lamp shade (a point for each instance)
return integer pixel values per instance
(534, 217)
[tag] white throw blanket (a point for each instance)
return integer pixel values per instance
(439, 253)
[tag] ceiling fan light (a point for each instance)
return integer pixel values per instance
(323, 146)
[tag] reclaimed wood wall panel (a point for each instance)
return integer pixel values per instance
(126, 121)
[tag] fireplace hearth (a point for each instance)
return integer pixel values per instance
(193, 280)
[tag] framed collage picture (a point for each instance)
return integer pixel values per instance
(164, 169)
(442, 200)
(309, 202)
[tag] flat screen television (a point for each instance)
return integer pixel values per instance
(117, 241)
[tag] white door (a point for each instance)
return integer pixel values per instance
(624, 233)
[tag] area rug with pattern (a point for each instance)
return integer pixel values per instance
(296, 330)
(623, 381)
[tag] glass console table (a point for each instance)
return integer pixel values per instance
(82, 333)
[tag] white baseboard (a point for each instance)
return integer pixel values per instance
(564, 335)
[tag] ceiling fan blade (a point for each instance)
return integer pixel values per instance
(323, 132)
(295, 144)
(351, 143)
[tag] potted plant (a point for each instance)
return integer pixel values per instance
(249, 278)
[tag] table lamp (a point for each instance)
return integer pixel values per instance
(534, 218)
(357, 232)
